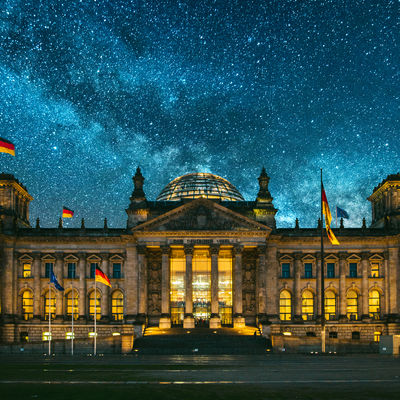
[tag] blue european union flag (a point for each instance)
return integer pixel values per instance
(341, 213)
(54, 280)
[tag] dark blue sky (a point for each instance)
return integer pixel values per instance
(91, 89)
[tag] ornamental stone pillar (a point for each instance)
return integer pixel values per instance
(364, 285)
(261, 283)
(165, 320)
(297, 288)
(386, 282)
(105, 298)
(393, 261)
(215, 320)
(131, 273)
(319, 264)
(82, 299)
(36, 264)
(142, 261)
(272, 284)
(342, 286)
(188, 321)
(58, 271)
(238, 319)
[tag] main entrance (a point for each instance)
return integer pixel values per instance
(201, 285)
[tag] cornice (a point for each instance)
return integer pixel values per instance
(142, 234)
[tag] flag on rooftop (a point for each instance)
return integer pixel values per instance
(102, 277)
(7, 147)
(328, 217)
(341, 213)
(67, 213)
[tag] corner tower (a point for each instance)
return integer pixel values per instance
(14, 203)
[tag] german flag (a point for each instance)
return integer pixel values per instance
(7, 147)
(102, 277)
(67, 213)
(328, 217)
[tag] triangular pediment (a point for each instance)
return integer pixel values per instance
(201, 215)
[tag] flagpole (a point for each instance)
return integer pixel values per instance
(95, 315)
(72, 319)
(49, 317)
(322, 278)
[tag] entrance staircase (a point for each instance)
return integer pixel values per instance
(181, 341)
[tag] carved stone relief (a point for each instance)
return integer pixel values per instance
(154, 282)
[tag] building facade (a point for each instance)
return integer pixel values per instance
(200, 255)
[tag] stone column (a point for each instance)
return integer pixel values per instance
(342, 286)
(386, 282)
(215, 320)
(297, 288)
(318, 264)
(131, 273)
(272, 284)
(261, 283)
(82, 299)
(165, 320)
(393, 261)
(105, 298)
(142, 282)
(238, 319)
(36, 264)
(364, 285)
(188, 321)
(58, 271)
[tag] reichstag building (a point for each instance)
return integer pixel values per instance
(199, 255)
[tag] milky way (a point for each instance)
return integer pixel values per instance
(91, 89)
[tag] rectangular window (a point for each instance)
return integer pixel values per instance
(48, 269)
(374, 270)
(26, 270)
(377, 336)
(330, 270)
(285, 270)
(308, 270)
(116, 271)
(353, 270)
(93, 267)
(72, 270)
(355, 335)
(333, 335)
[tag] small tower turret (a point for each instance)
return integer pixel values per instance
(138, 209)
(264, 209)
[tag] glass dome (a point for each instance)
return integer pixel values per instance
(200, 184)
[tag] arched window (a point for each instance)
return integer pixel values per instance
(117, 306)
(27, 305)
(285, 306)
(49, 305)
(330, 305)
(307, 305)
(92, 305)
(374, 304)
(72, 304)
(352, 305)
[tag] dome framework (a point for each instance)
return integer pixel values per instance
(200, 184)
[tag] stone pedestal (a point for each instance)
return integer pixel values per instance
(215, 322)
(239, 322)
(126, 343)
(165, 323)
(188, 322)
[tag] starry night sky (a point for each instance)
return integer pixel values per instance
(91, 89)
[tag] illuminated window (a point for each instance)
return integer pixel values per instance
(92, 305)
(72, 304)
(201, 284)
(71, 270)
(46, 336)
(374, 270)
(27, 305)
(377, 336)
(49, 305)
(373, 304)
(225, 286)
(26, 270)
(117, 306)
(116, 274)
(285, 306)
(353, 270)
(93, 267)
(330, 305)
(177, 285)
(308, 270)
(48, 267)
(307, 305)
(352, 305)
(330, 270)
(285, 270)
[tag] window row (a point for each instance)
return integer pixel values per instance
(331, 270)
(71, 302)
(71, 270)
(308, 305)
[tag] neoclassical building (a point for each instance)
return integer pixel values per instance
(199, 255)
